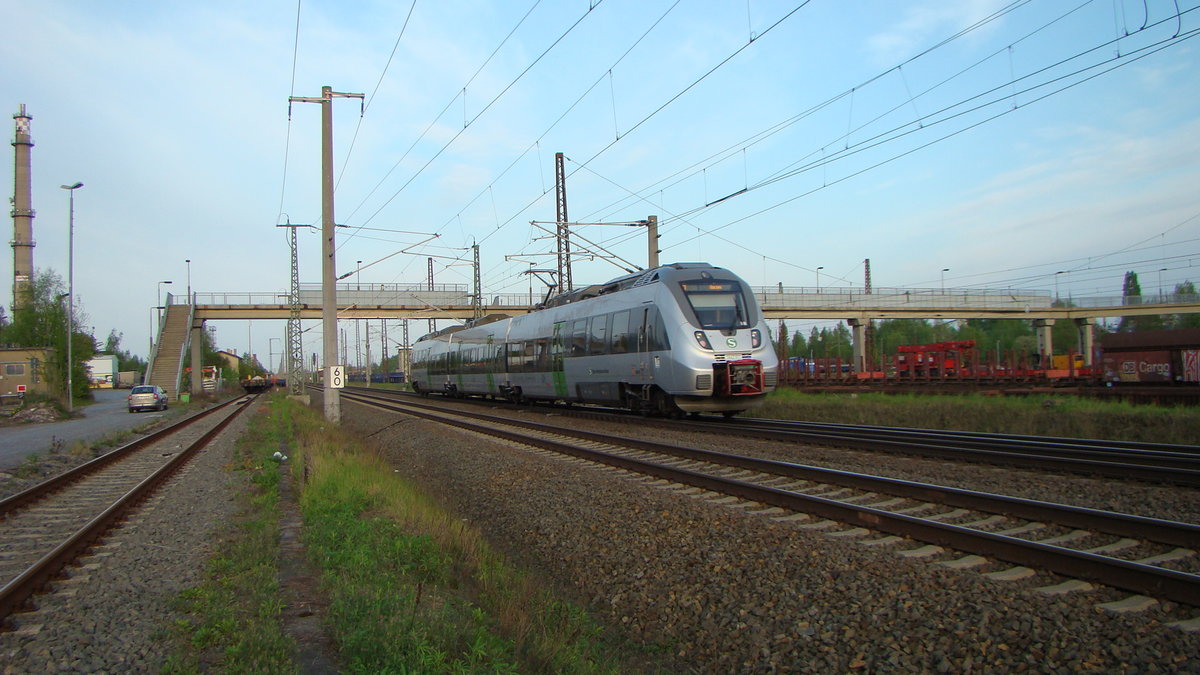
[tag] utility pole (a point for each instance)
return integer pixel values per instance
(403, 361)
(383, 348)
(652, 242)
(560, 216)
(869, 348)
(431, 319)
(294, 349)
(477, 303)
(333, 403)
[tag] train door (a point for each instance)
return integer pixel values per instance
(557, 347)
(638, 326)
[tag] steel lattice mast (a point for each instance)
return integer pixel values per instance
(294, 350)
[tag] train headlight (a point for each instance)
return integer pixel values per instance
(702, 339)
(755, 338)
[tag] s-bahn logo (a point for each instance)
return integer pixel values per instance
(731, 343)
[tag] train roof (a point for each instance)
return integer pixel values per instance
(639, 278)
(632, 280)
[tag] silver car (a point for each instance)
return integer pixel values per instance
(147, 397)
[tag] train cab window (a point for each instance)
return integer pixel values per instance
(579, 338)
(620, 333)
(718, 304)
(656, 332)
(598, 342)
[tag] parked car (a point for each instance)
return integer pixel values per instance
(147, 397)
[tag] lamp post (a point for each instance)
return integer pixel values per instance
(944, 270)
(1056, 284)
(819, 278)
(189, 279)
(271, 354)
(357, 335)
(153, 315)
(160, 303)
(70, 291)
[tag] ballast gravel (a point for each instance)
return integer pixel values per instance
(113, 612)
(714, 588)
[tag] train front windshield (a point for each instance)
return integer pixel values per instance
(719, 305)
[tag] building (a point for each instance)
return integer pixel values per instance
(232, 361)
(102, 371)
(22, 370)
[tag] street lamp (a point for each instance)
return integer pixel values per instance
(944, 270)
(153, 314)
(1056, 284)
(819, 278)
(70, 291)
(160, 302)
(189, 277)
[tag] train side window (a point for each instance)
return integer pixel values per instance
(598, 342)
(620, 332)
(579, 338)
(513, 356)
(543, 356)
(529, 360)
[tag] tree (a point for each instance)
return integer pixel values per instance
(42, 323)
(781, 341)
(1131, 294)
(1188, 290)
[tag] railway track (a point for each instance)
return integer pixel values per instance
(1150, 462)
(1149, 557)
(50, 525)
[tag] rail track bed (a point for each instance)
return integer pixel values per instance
(1005, 537)
(1149, 462)
(48, 527)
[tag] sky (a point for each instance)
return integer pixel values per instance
(1027, 144)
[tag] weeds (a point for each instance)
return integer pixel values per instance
(412, 588)
(234, 615)
(1033, 415)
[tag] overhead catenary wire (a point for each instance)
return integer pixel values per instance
(371, 98)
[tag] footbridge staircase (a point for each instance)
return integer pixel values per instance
(167, 357)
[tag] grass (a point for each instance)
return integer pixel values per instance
(414, 589)
(1035, 415)
(233, 618)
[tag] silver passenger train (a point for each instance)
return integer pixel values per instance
(680, 338)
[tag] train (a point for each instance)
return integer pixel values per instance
(675, 339)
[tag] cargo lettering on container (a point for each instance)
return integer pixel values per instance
(1154, 366)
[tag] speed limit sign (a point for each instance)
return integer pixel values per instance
(337, 377)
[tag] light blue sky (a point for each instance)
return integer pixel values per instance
(1006, 154)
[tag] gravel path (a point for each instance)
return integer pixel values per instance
(722, 590)
(111, 615)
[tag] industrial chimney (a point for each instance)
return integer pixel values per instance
(22, 212)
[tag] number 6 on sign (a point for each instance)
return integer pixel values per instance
(337, 377)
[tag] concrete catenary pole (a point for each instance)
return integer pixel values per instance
(22, 211)
(333, 407)
(652, 242)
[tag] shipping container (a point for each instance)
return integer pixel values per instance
(1144, 366)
